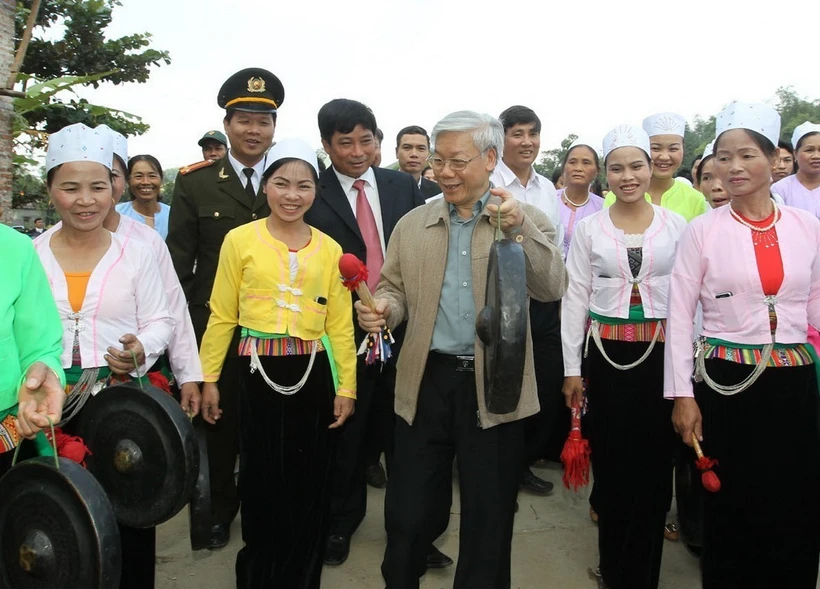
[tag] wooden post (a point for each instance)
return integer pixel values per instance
(21, 50)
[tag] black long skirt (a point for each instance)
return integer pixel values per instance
(286, 455)
(631, 444)
(762, 529)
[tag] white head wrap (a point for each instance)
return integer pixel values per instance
(752, 117)
(626, 136)
(120, 143)
(78, 143)
(664, 123)
(802, 130)
(293, 148)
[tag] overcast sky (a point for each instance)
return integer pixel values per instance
(583, 66)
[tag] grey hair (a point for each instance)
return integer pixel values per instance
(486, 129)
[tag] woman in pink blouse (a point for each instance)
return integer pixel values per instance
(580, 168)
(755, 268)
(619, 265)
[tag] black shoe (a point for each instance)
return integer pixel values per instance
(220, 536)
(535, 484)
(337, 549)
(375, 476)
(436, 559)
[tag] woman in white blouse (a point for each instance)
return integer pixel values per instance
(619, 264)
(110, 297)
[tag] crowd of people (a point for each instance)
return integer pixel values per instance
(233, 294)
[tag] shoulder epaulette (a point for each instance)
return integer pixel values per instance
(197, 166)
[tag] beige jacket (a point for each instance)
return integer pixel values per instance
(411, 282)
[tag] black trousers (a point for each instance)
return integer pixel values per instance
(222, 438)
(489, 466)
(547, 430)
(285, 474)
(349, 503)
(631, 444)
(762, 529)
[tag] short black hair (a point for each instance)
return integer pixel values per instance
(763, 142)
(787, 145)
(38, 219)
(287, 160)
(412, 130)
(519, 115)
(556, 174)
(230, 112)
(152, 161)
(342, 115)
(595, 157)
(379, 135)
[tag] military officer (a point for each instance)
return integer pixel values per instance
(211, 198)
(214, 145)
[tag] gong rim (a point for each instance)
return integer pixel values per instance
(144, 452)
(199, 508)
(504, 321)
(66, 511)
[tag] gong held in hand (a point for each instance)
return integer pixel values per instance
(502, 326)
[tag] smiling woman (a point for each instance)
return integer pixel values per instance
(145, 183)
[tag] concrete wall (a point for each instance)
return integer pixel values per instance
(7, 8)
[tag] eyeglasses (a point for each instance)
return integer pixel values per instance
(456, 164)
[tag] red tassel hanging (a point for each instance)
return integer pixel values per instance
(159, 380)
(710, 480)
(575, 455)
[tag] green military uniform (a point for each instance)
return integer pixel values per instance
(209, 200)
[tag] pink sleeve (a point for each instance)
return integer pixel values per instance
(575, 304)
(813, 310)
(684, 292)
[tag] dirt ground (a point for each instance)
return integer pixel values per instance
(554, 545)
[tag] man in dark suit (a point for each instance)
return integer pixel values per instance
(412, 150)
(211, 198)
(358, 206)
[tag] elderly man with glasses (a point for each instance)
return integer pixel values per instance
(434, 277)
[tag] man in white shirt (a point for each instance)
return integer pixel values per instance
(515, 172)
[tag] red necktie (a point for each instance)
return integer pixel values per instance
(370, 234)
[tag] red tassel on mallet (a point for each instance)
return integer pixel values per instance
(710, 480)
(575, 455)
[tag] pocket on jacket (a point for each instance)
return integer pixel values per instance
(215, 221)
(734, 312)
(256, 304)
(314, 316)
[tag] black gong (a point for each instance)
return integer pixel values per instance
(199, 508)
(502, 326)
(144, 452)
(689, 496)
(58, 528)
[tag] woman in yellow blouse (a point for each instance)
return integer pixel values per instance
(278, 280)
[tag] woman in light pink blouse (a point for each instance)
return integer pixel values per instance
(755, 269)
(580, 168)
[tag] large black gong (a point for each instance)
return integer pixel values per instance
(199, 508)
(502, 326)
(58, 529)
(689, 496)
(144, 452)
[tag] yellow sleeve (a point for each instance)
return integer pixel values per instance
(339, 328)
(224, 310)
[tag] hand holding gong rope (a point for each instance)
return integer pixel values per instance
(122, 361)
(509, 211)
(40, 398)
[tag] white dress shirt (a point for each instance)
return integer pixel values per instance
(372, 193)
(258, 170)
(600, 279)
(538, 192)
